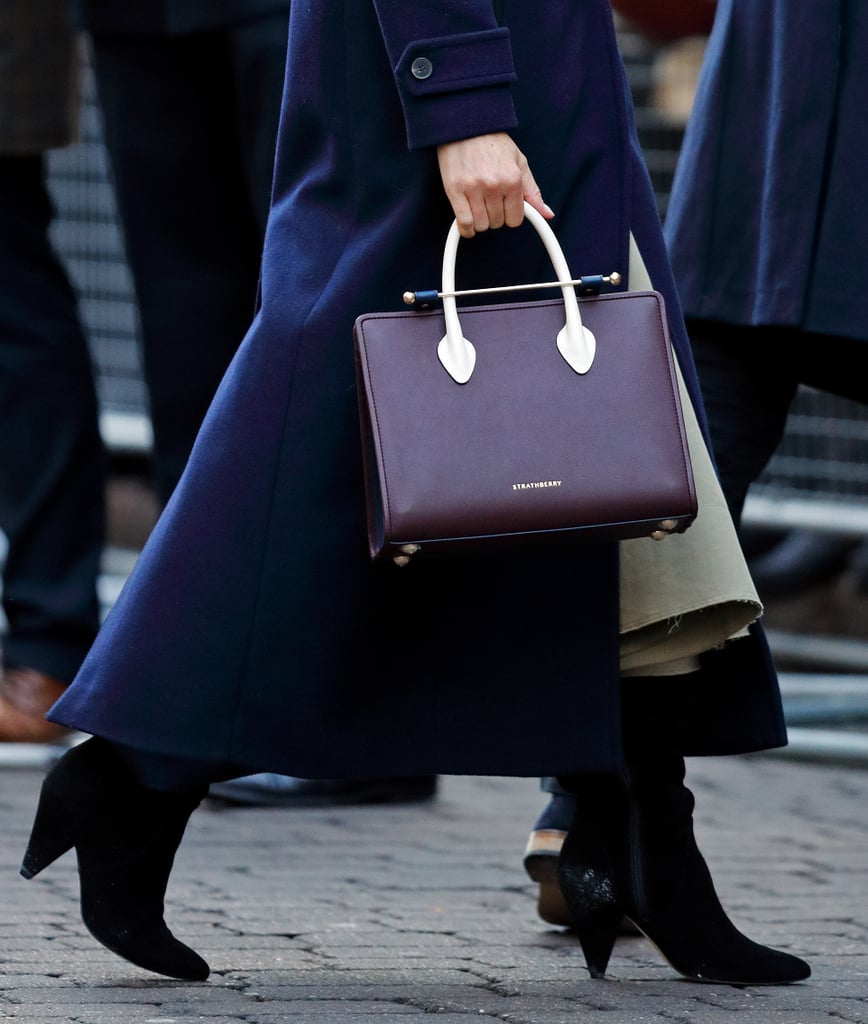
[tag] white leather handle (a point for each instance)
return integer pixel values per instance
(575, 342)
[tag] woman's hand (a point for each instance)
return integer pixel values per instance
(486, 179)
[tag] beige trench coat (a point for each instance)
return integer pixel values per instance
(690, 592)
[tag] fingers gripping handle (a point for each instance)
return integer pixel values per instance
(575, 342)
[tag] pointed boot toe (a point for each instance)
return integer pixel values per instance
(154, 949)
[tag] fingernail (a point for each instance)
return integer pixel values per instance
(549, 209)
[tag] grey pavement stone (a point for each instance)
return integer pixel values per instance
(379, 915)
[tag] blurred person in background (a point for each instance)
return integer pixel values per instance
(189, 92)
(51, 456)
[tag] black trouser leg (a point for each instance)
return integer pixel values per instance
(747, 395)
(190, 125)
(749, 377)
(51, 458)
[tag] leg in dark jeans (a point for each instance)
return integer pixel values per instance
(747, 391)
(51, 459)
(749, 377)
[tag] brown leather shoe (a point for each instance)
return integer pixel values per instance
(25, 696)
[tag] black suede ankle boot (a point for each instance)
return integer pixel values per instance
(633, 852)
(125, 837)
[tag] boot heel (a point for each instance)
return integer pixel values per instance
(594, 908)
(51, 836)
(597, 935)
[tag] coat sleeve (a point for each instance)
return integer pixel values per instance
(452, 65)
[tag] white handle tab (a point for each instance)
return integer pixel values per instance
(575, 342)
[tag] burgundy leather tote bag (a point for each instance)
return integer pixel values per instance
(553, 421)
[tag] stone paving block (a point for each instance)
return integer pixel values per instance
(381, 914)
(759, 1015)
(126, 995)
(326, 1016)
(360, 1013)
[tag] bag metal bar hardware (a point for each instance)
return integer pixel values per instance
(589, 285)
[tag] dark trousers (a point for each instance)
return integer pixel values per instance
(190, 126)
(51, 458)
(749, 377)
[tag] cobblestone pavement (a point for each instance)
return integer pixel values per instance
(382, 915)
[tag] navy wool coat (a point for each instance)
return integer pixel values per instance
(775, 233)
(254, 630)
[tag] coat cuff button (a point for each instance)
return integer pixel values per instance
(421, 68)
